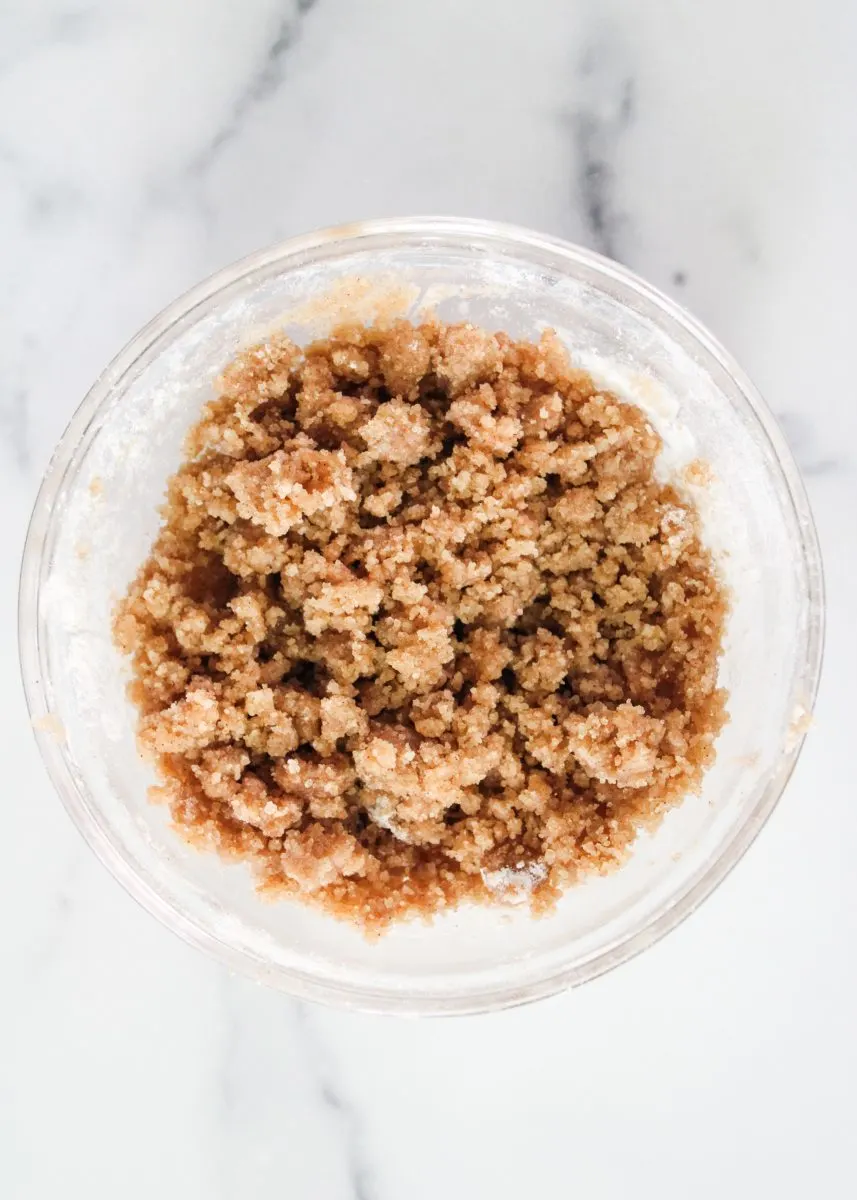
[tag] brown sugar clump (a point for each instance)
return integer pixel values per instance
(421, 626)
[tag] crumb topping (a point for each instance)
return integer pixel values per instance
(421, 626)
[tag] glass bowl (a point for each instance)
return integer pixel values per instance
(97, 513)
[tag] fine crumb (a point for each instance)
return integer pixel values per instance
(96, 487)
(421, 626)
(51, 724)
(799, 726)
(698, 473)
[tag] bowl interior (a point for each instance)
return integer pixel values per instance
(97, 516)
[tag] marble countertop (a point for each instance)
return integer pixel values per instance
(143, 144)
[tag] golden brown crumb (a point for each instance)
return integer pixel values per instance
(421, 626)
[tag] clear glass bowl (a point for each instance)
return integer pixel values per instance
(96, 515)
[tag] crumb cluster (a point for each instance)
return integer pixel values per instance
(421, 625)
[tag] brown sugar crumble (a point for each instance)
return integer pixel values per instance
(421, 626)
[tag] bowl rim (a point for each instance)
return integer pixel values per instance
(72, 790)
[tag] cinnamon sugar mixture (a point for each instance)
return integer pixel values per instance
(420, 625)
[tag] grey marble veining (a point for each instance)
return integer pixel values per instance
(603, 114)
(710, 148)
(264, 79)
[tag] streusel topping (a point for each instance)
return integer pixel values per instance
(421, 626)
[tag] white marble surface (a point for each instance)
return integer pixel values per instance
(712, 147)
